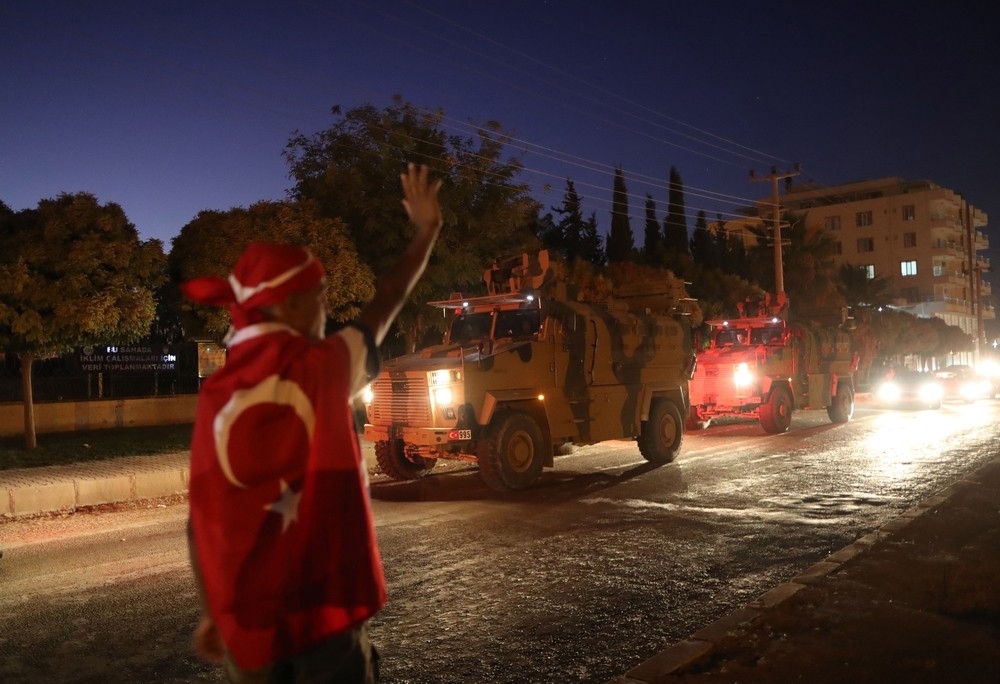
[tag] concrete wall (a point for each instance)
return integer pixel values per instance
(66, 416)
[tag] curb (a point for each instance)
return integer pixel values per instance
(50, 489)
(700, 644)
(54, 489)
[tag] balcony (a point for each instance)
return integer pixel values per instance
(946, 227)
(981, 240)
(950, 277)
(949, 247)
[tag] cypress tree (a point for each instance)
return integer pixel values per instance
(621, 242)
(675, 234)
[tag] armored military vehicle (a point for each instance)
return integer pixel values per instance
(528, 368)
(764, 366)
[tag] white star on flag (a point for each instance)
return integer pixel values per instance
(287, 505)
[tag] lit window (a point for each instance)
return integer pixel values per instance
(908, 268)
(869, 270)
(863, 218)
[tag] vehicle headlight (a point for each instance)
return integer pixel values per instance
(989, 369)
(889, 392)
(367, 394)
(742, 375)
(931, 391)
(975, 389)
(443, 396)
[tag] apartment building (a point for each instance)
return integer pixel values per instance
(925, 239)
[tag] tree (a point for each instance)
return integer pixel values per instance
(732, 250)
(718, 291)
(73, 272)
(568, 233)
(572, 237)
(351, 172)
(951, 338)
(211, 244)
(675, 232)
(861, 291)
(811, 275)
(621, 241)
(704, 244)
(811, 272)
(652, 245)
(591, 247)
(548, 232)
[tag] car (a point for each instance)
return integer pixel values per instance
(963, 383)
(905, 388)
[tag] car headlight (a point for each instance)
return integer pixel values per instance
(931, 391)
(975, 389)
(742, 375)
(889, 392)
(989, 369)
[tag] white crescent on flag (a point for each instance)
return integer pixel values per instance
(271, 390)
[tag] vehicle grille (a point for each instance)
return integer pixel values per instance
(401, 401)
(711, 381)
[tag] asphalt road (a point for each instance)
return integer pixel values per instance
(603, 563)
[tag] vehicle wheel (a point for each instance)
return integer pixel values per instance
(510, 455)
(842, 408)
(776, 414)
(393, 461)
(661, 435)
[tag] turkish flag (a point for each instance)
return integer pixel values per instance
(279, 505)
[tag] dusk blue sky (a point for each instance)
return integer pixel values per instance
(169, 108)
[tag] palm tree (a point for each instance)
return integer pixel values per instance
(861, 291)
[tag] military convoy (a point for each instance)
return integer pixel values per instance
(763, 366)
(528, 368)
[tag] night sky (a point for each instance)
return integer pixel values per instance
(169, 108)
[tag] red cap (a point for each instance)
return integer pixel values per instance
(264, 275)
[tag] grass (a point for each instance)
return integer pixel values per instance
(61, 448)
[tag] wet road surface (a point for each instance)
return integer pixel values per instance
(603, 563)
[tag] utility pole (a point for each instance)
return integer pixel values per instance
(774, 177)
(976, 283)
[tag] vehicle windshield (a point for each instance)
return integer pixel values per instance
(727, 338)
(765, 336)
(471, 326)
(517, 323)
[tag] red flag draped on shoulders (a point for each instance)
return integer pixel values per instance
(280, 515)
(279, 504)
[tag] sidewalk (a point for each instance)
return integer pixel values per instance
(918, 600)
